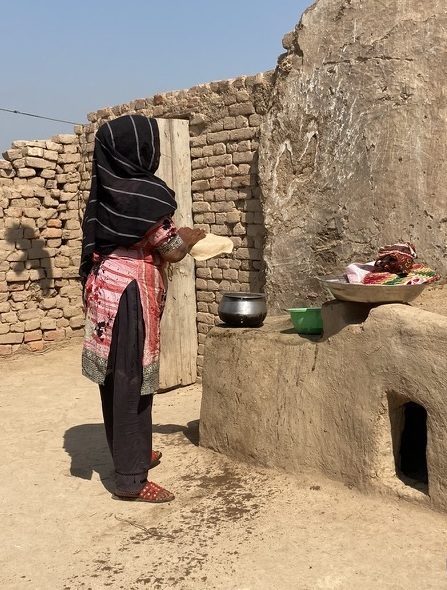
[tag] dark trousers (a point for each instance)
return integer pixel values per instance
(127, 413)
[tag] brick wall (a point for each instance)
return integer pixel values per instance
(39, 244)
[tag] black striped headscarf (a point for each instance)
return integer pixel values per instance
(126, 198)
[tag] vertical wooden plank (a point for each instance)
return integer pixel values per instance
(178, 362)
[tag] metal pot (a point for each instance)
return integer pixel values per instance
(243, 309)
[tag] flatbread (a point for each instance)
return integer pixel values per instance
(211, 246)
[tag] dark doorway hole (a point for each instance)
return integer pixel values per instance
(413, 446)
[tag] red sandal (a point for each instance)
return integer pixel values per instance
(155, 459)
(150, 493)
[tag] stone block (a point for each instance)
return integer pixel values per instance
(54, 335)
(13, 154)
(29, 314)
(4, 328)
(230, 274)
(255, 120)
(23, 244)
(241, 109)
(50, 202)
(31, 325)
(32, 212)
(201, 284)
(48, 174)
(243, 157)
(32, 336)
(36, 180)
(53, 146)
(208, 150)
(55, 313)
(54, 223)
(72, 311)
(200, 207)
(49, 303)
(205, 318)
(199, 163)
(219, 137)
(202, 173)
(221, 206)
(19, 163)
(15, 212)
(200, 185)
(229, 123)
(13, 276)
(69, 158)
(7, 174)
(69, 234)
(5, 349)
(196, 152)
(242, 96)
(243, 134)
(37, 274)
(26, 172)
(71, 187)
(77, 322)
(221, 160)
(37, 346)
(205, 296)
(11, 338)
(36, 152)
(51, 155)
(198, 141)
(229, 99)
(52, 232)
(61, 262)
(9, 317)
(64, 139)
(216, 126)
(219, 149)
(73, 292)
(39, 163)
(241, 181)
(71, 272)
(71, 149)
(5, 165)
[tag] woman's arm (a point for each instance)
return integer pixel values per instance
(189, 237)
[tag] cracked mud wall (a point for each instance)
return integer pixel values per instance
(353, 149)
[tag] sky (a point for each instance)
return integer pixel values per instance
(64, 59)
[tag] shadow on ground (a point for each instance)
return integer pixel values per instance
(87, 447)
(190, 431)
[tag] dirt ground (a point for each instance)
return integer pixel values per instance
(232, 526)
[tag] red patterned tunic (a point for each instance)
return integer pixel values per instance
(106, 283)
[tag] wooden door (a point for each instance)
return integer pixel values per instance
(178, 362)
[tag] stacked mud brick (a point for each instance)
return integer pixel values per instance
(225, 122)
(40, 299)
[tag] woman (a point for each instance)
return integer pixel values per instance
(128, 237)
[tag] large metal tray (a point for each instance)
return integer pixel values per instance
(339, 287)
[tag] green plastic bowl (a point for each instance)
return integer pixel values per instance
(307, 320)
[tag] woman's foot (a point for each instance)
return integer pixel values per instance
(155, 458)
(150, 493)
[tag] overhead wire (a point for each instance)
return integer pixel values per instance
(16, 112)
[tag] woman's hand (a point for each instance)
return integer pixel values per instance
(191, 236)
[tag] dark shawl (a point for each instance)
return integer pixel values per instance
(126, 198)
